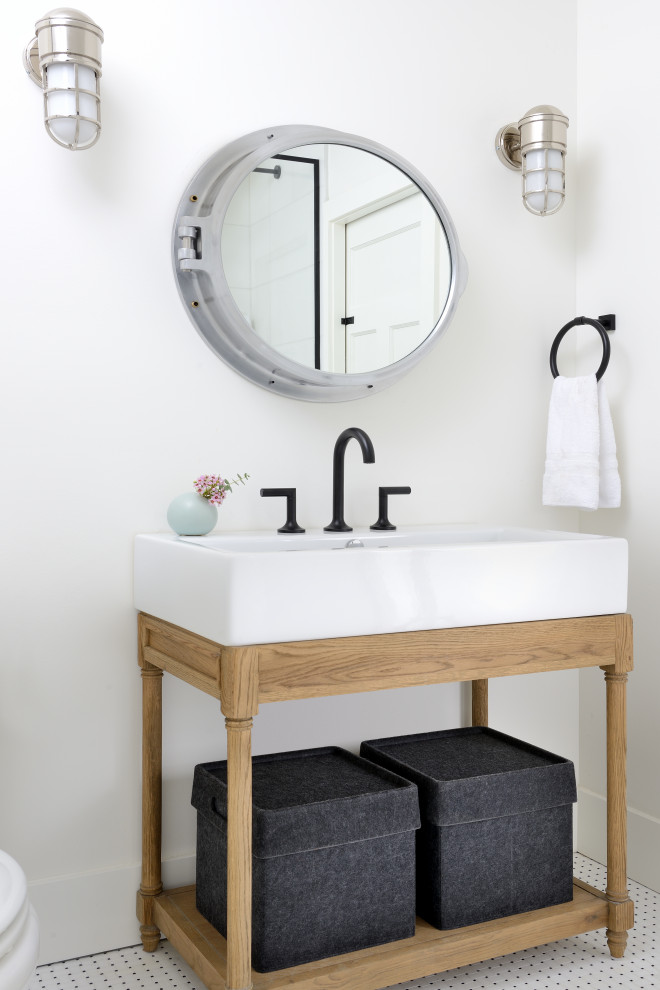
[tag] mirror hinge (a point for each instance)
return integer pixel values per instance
(191, 244)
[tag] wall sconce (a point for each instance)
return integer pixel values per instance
(64, 59)
(537, 146)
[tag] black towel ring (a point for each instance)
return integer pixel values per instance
(579, 321)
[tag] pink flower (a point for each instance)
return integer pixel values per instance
(215, 488)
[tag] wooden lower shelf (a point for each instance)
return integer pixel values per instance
(428, 951)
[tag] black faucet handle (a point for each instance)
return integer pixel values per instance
(290, 526)
(383, 522)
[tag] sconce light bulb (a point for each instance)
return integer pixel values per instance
(71, 116)
(543, 181)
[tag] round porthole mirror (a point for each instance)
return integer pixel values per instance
(317, 264)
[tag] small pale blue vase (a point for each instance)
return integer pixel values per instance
(191, 514)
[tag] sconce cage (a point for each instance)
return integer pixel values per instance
(543, 181)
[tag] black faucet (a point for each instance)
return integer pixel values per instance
(368, 456)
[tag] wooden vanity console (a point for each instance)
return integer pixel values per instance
(243, 677)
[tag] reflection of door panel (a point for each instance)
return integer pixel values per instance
(390, 282)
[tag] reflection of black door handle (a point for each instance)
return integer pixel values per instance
(345, 320)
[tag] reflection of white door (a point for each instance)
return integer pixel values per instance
(391, 274)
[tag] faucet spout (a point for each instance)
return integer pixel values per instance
(338, 524)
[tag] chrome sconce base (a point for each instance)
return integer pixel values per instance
(31, 61)
(507, 146)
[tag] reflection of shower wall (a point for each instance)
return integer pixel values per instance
(282, 253)
(268, 257)
(236, 249)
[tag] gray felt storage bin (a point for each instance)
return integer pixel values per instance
(497, 831)
(333, 859)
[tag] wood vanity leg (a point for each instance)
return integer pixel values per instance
(621, 915)
(480, 702)
(239, 853)
(239, 694)
(152, 734)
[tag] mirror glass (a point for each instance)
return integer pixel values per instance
(335, 258)
(317, 264)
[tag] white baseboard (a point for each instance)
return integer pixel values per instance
(93, 912)
(643, 838)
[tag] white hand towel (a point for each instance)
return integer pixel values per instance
(609, 496)
(581, 468)
(571, 467)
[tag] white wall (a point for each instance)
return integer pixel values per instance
(618, 258)
(111, 403)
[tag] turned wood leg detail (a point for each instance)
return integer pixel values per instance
(621, 907)
(152, 734)
(239, 853)
(239, 690)
(480, 702)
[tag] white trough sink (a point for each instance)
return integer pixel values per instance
(262, 587)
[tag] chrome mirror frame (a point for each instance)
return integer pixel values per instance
(202, 285)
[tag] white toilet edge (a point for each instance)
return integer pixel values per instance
(13, 890)
(18, 965)
(11, 935)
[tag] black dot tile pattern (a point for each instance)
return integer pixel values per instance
(579, 963)
(122, 969)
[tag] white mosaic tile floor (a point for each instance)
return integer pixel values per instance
(572, 964)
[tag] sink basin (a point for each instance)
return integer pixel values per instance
(263, 587)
